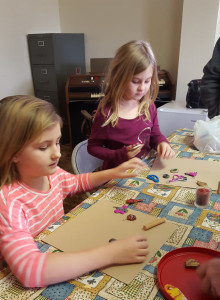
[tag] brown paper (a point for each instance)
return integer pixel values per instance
(98, 224)
(207, 171)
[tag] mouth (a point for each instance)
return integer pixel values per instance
(53, 165)
(140, 95)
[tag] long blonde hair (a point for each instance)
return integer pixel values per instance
(132, 58)
(23, 118)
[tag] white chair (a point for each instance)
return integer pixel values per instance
(82, 161)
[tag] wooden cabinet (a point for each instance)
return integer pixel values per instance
(83, 92)
(53, 57)
(166, 89)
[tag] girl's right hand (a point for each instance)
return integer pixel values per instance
(128, 250)
(133, 150)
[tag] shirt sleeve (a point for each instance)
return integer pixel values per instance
(210, 85)
(72, 184)
(97, 141)
(156, 136)
(18, 247)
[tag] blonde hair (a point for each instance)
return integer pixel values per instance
(23, 118)
(132, 58)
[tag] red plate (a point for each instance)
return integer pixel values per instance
(171, 270)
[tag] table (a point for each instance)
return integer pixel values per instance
(196, 227)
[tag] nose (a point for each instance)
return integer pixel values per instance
(141, 86)
(56, 152)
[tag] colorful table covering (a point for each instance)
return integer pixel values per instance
(196, 227)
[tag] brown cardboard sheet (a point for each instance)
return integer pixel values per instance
(98, 224)
(207, 171)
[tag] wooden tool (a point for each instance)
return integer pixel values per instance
(218, 191)
(154, 223)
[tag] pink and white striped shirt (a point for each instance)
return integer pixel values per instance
(24, 213)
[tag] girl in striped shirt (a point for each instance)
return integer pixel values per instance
(32, 190)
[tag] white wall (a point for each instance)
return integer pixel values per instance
(17, 19)
(200, 29)
(108, 24)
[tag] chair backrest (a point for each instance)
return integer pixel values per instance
(82, 161)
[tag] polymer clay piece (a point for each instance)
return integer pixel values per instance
(174, 171)
(131, 217)
(166, 176)
(191, 263)
(178, 177)
(155, 178)
(121, 210)
(193, 174)
(132, 201)
(174, 292)
(112, 240)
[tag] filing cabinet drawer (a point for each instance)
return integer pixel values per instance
(51, 97)
(41, 49)
(44, 78)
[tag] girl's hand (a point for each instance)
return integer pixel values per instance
(129, 250)
(134, 163)
(165, 151)
(121, 171)
(134, 149)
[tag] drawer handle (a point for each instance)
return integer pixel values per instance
(44, 82)
(43, 71)
(46, 97)
(40, 43)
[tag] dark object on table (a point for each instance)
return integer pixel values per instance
(166, 175)
(131, 217)
(112, 240)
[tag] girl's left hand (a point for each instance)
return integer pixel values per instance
(165, 151)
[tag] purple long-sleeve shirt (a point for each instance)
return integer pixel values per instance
(109, 143)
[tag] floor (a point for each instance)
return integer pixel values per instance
(65, 163)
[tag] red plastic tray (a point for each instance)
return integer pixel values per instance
(171, 270)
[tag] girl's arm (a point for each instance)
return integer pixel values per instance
(98, 178)
(65, 266)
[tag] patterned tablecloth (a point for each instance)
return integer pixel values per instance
(196, 227)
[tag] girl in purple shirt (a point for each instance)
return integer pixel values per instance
(126, 123)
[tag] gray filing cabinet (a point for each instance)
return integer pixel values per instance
(53, 57)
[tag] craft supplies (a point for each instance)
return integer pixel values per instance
(133, 201)
(154, 178)
(178, 177)
(174, 171)
(154, 223)
(131, 217)
(174, 292)
(136, 146)
(121, 210)
(112, 240)
(200, 183)
(202, 197)
(193, 174)
(166, 176)
(191, 263)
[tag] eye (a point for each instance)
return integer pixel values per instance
(58, 142)
(43, 148)
(135, 81)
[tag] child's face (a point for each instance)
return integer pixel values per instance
(139, 85)
(41, 156)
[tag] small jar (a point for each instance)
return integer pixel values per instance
(203, 195)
